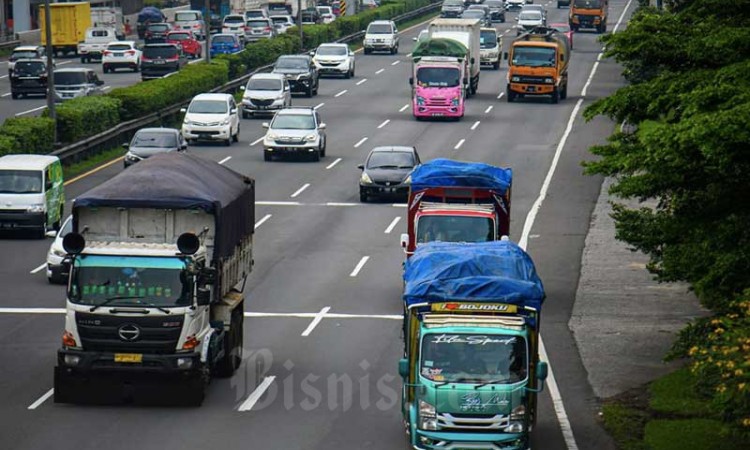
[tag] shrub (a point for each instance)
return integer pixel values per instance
(74, 117)
(7, 144)
(29, 135)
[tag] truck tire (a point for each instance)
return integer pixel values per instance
(367, 51)
(564, 92)
(232, 359)
(510, 95)
(14, 95)
(555, 97)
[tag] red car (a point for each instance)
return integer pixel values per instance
(190, 46)
(565, 29)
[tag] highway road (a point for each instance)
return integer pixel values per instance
(322, 331)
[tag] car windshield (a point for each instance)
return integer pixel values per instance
(530, 15)
(587, 4)
(118, 47)
(234, 19)
(158, 27)
(160, 52)
(257, 23)
(390, 160)
(20, 181)
(293, 122)
(488, 39)
(291, 63)
(455, 229)
(533, 56)
(208, 107)
(438, 77)
(476, 358)
(331, 50)
(185, 16)
(380, 28)
(263, 85)
(69, 78)
(24, 54)
(222, 39)
(26, 68)
(154, 139)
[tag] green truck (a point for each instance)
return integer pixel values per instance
(471, 371)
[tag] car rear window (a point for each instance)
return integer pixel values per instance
(257, 23)
(179, 36)
(185, 16)
(234, 19)
(160, 52)
(69, 78)
(100, 33)
(118, 47)
(223, 40)
(158, 27)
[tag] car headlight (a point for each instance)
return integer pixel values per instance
(365, 179)
(303, 76)
(272, 136)
(515, 79)
(420, 101)
(549, 80)
(187, 122)
(311, 137)
(427, 416)
(37, 208)
(226, 121)
(408, 180)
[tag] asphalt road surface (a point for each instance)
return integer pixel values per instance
(322, 333)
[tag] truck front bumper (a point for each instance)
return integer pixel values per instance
(532, 89)
(436, 440)
(421, 111)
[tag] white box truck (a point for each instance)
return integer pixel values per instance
(467, 32)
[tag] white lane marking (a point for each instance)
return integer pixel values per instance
(225, 160)
(385, 122)
(500, 95)
(395, 62)
(106, 87)
(32, 310)
(476, 124)
(489, 108)
(256, 141)
(267, 203)
(262, 221)
(460, 143)
(316, 321)
(319, 105)
(4, 76)
(42, 399)
(328, 316)
(248, 404)
(392, 225)
(399, 205)
(341, 93)
(300, 190)
(63, 63)
(333, 164)
(408, 55)
(359, 266)
(31, 111)
(5, 95)
(376, 73)
(39, 269)
(403, 108)
(363, 80)
(342, 204)
(361, 141)
(622, 16)
(507, 31)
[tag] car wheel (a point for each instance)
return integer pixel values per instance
(367, 51)
(348, 74)
(496, 65)
(362, 196)
(83, 60)
(245, 115)
(14, 95)
(323, 150)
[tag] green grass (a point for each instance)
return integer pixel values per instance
(690, 434)
(5, 52)
(626, 425)
(84, 166)
(674, 394)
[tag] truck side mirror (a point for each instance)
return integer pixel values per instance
(203, 297)
(404, 240)
(403, 367)
(541, 370)
(411, 81)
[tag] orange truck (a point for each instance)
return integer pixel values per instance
(588, 14)
(538, 65)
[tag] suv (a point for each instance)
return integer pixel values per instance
(158, 60)
(121, 54)
(300, 71)
(234, 24)
(225, 44)
(295, 130)
(191, 20)
(259, 29)
(335, 59)
(156, 32)
(211, 117)
(282, 23)
(326, 14)
(255, 14)
(25, 52)
(311, 16)
(452, 9)
(29, 76)
(265, 93)
(381, 35)
(76, 82)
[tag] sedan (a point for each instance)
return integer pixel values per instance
(477, 14)
(148, 142)
(386, 172)
(564, 28)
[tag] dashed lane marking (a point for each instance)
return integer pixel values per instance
(361, 141)
(385, 122)
(460, 143)
(333, 164)
(300, 190)
(392, 225)
(359, 266)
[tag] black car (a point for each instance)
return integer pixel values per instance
(386, 172)
(300, 72)
(29, 77)
(497, 10)
(158, 60)
(156, 32)
(148, 142)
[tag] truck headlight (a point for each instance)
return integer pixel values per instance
(549, 80)
(365, 179)
(515, 79)
(184, 363)
(518, 412)
(72, 360)
(455, 101)
(420, 101)
(427, 417)
(514, 427)
(37, 208)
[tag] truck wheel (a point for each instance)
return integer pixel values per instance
(510, 95)
(83, 60)
(367, 51)
(14, 95)
(496, 65)
(232, 346)
(555, 98)
(564, 92)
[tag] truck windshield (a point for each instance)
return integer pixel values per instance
(488, 39)
(438, 77)
(588, 4)
(533, 56)
(455, 229)
(478, 358)
(129, 281)
(20, 181)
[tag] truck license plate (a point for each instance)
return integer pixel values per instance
(437, 114)
(129, 358)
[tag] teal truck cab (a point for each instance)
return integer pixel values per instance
(471, 371)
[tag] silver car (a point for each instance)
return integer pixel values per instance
(265, 93)
(295, 130)
(261, 28)
(75, 82)
(282, 23)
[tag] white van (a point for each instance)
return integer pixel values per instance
(32, 194)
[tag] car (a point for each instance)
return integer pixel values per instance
(255, 14)
(497, 10)
(148, 142)
(225, 44)
(191, 47)
(539, 8)
(326, 14)
(481, 7)
(211, 117)
(514, 5)
(76, 82)
(282, 23)
(190, 20)
(452, 9)
(561, 3)
(381, 35)
(300, 71)
(529, 2)
(96, 41)
(490, 46)
(334, 59)
(480, 15)
(528, 20)
(295, 130)
(265, 93)
(234, 24)
(565, 29)
(370, 4)
(256, 29)
(279, 7)
(156, 32)
(158, 60)
(25, 52)
(386, 172)
(311, 16)
(121, 54)
(29, 77)
(57, 266)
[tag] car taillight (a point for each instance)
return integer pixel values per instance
(129, 52)
(107, 53)
(196, 25)
(247, 28)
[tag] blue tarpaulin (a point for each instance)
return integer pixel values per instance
(449, 173)
(497, 271)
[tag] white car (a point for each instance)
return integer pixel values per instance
(121, 55)
(265, 93)
(528, 20)
(295, 130)
(282, 23)
(335, 59)
(381, 35)
(234, 24)
(211, 117)
(326, 14)
(56, 269)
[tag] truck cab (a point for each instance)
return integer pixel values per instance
(437, 87)
(589, 14)
(538, 65)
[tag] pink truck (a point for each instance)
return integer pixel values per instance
(437, 87)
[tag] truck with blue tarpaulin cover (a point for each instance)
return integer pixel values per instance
(471, 371)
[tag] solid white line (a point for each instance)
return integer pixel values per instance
(256, 141)
(225, 160)
(363, 80)
(316, 321)
(361, 141)
(106, 87)
(489, 108)
(359, 266)
(42, 399)
(460, 143)
(39, 269)
(501, 95)
(617, 25)
(333, 164)
(392, 225)
(300, 190)
(395, 62)
(262, 221)
(341, 93)
(30, 111)
(476, 124)
(376, 73)
(403, 108)
(6, 94)
(248, 404)
(342, 204)
(267, 203)
(32, 310)
(384, 123)
(328, 316)
(319, 105)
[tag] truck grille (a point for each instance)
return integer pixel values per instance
(533, 80)
(155, 335)
(437, 101)
(475, 423)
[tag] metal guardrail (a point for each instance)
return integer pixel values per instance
(9, 44)
(124, 131)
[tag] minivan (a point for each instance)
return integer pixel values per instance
(32, 194)
(76, 82)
